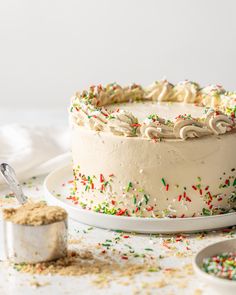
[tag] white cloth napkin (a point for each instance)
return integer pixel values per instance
(33, 151)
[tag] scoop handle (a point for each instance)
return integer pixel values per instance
(9, 176)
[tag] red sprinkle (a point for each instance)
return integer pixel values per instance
(167, 187)
(149, 208)
(179, 198)
(166, 245)
(125, 237)
(101, 178)
(104, 114)
(226, 230)
(194, 187)
(121, 212)
(124, 257)
(210, 196)
(168, 269)
(135, 125)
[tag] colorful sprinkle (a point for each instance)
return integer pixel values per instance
(222, 266)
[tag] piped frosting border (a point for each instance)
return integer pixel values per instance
(88, 109)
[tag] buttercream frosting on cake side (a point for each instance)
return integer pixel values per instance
(163, 151)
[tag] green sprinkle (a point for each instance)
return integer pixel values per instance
(234, 183)
(146, 199)
(130, 185)
(163, 181)
(141, 190)
(222, 265)
(206, 212)
(12, 196)
(106, 245)
(126, 245)
(153, 269)
(139, 255)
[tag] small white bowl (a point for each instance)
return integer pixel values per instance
(220, 285)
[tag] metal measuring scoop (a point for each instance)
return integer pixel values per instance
(27, 243)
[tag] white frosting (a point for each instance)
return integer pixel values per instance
(160, 91)
(211, 95)
(154, 130)
(122, 123)
(218, 122)
(228, 100)
(189, 128)
(96, 110)
(194, 170)
(169, 111)
(88, 116)
(186, 91)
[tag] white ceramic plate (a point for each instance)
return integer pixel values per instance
(56, 193)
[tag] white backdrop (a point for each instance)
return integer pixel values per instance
(50, 48)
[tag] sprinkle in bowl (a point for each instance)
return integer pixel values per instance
(215, 251)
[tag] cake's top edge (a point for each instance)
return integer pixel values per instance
(87, 109)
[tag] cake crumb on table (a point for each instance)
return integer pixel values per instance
(37, 284)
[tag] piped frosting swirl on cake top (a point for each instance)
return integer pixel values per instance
(89, 109)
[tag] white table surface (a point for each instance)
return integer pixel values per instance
(174, 277)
